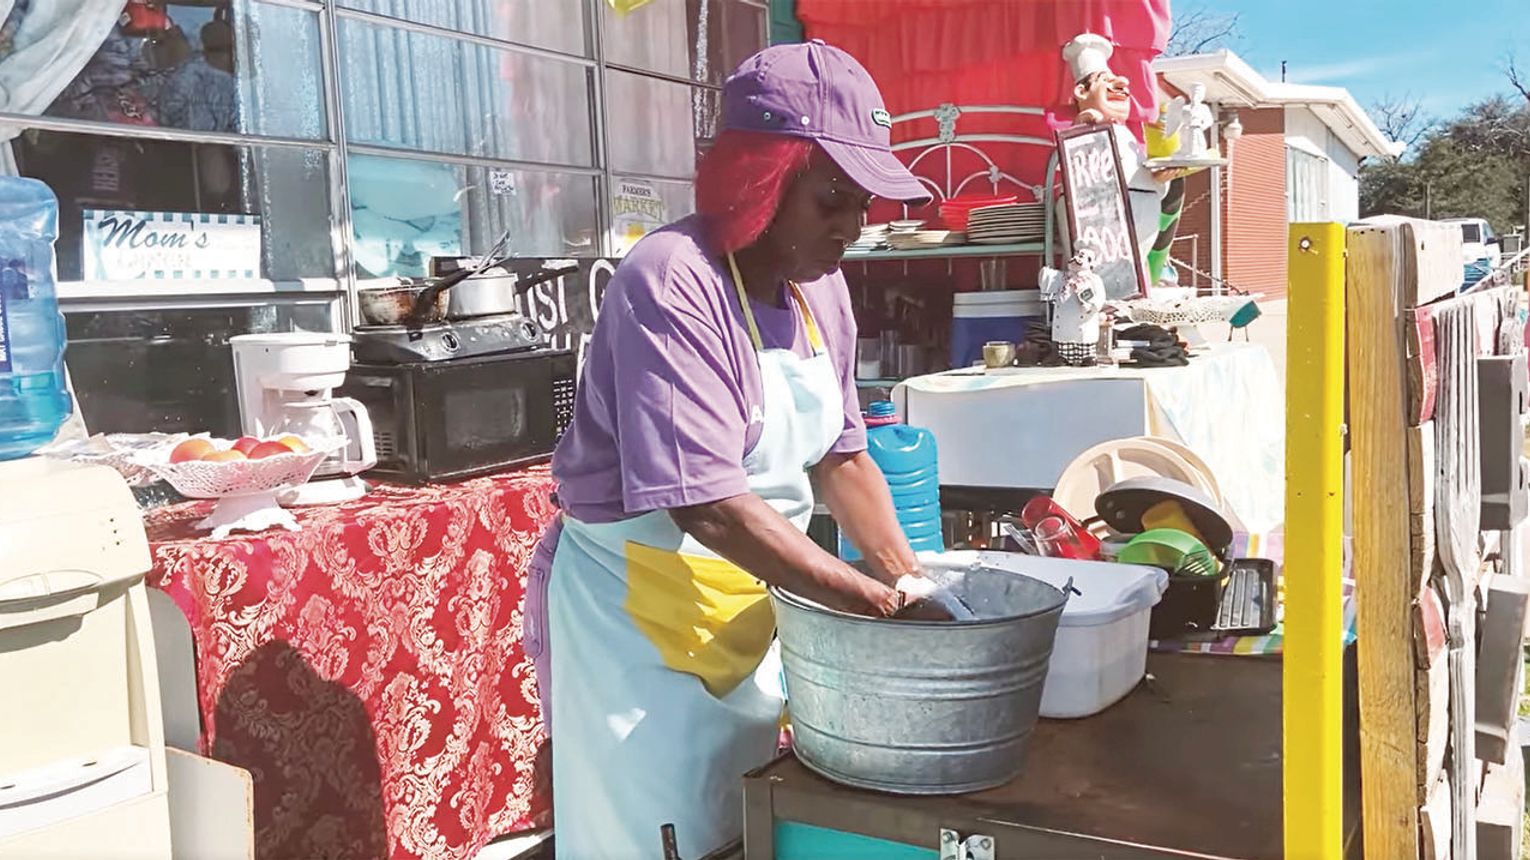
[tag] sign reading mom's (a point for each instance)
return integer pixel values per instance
(128, 246)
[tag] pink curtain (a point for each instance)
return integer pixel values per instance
(987, 52)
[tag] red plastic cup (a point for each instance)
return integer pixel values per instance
(1057, 532)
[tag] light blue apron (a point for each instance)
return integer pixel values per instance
(666, 687)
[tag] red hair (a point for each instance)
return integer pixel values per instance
(741, 180)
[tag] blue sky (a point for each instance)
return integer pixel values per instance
(1446, 59)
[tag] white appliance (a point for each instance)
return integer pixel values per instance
(286, 384)
(83, 768)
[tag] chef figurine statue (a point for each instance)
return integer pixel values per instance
(1191, 121)
(1103, 97)
(1078, 302)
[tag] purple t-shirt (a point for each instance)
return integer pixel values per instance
(669, 400)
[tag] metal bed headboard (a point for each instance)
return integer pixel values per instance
(948, 140)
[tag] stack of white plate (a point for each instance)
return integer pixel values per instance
(873, 236)
(1007, 224)
(915, 239)
(901, 233)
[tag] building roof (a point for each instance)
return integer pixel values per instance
(1232, 82)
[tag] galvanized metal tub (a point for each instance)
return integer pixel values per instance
(917, 707)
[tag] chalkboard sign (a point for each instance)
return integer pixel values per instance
(565, 307)
(1099, 214)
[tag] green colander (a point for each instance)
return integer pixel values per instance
(1171, 549)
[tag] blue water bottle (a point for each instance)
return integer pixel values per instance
(906, 456)
(34, 399)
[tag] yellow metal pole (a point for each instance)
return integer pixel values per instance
(1313, 654)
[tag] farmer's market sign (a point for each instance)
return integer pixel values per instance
(122, 245)
(636, 210)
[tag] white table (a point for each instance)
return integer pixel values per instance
(1020, 427)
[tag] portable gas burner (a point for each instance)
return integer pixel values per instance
(443, 341)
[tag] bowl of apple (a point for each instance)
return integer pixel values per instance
(244, 475)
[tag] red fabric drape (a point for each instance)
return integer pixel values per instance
(369, 670)
(923, 53)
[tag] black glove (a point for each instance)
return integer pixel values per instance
(1164, 356)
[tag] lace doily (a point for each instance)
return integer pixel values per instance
(1191, 311)
(118, 451)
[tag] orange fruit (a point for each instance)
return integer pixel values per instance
(295, 444)
(268, 449)
(229, 456)
(191, 449)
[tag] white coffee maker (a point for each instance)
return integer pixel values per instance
(286, 383)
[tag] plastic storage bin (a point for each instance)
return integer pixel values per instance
(34, 398)
(908, 459)
(1102, 639)
(977, 318)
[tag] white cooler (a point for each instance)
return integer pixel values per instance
(1102, 638)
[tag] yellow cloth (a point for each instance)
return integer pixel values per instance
(1159, 145)
(1168, 514)
(707, 616)
(624, 7)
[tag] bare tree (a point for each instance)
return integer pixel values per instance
(1519, 78)
(1401, 118)
(1199, 29)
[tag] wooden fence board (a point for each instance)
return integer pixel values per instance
(1378, 418)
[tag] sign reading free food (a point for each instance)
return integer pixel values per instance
(121, 245)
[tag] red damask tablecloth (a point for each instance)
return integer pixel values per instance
(368, 669)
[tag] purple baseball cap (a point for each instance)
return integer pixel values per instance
(819, 92)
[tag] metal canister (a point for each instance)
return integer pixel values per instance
(917, 707)
(868, 358)
(889, 345)
(910, 360)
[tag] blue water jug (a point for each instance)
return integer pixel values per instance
(906, 456)
(34, 399)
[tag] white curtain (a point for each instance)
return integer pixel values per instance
(654, 123)
(281, 93)
(423, 92)
(54, 41)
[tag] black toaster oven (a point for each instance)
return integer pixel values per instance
(453, 419)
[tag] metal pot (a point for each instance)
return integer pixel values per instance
(481, 296)
(920, 707)
(487, 294)
(394, 305)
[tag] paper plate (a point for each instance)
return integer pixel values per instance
(1109, 463)
(1212, 488)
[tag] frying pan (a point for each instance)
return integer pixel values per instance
(396, 305)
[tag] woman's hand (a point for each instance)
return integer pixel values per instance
(857, 495)
(859, 594)
(753, 535)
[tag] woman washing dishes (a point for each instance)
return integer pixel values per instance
(718, 381)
